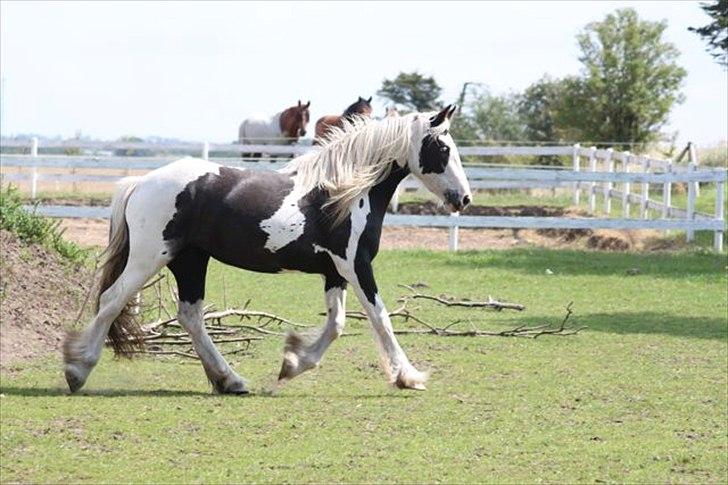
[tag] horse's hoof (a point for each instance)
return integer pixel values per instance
(234, 386)
(74, 381)
(289, 369)
(414, 380)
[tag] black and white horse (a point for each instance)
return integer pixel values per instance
(322, 214)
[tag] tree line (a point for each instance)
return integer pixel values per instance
(629, 82)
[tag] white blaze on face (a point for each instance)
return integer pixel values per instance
(287, 223)
(455, 172)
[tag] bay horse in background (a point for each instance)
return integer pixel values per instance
(322, 213)
(283, 128)
(361, 107)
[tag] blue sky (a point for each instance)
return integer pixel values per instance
(195, 70)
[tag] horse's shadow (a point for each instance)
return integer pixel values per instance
(162, 393)
(63, 392)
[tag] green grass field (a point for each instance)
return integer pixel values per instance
(639, 396)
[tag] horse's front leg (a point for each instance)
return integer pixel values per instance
(400, 371)
(300, 355)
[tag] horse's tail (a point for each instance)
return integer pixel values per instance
(125, 334)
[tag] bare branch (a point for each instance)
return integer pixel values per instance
(450, 301)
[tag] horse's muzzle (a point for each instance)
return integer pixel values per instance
(456, 203)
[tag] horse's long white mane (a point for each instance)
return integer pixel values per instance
(353, 158)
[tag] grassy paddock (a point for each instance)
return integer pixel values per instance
(640, 396)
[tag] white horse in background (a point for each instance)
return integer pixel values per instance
(285, 127)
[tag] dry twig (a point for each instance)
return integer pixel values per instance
(451, 301)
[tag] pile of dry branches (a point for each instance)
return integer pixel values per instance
(165, 336)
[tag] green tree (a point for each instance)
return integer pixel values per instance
(488, 117)
(412, 91)
(716, 32)
(539, 107)
(630, 80)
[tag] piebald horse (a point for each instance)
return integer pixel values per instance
(322, 213)
(281, 128)
(362, 107)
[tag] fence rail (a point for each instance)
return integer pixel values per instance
(594, 172)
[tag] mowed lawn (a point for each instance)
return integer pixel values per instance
(639, 396)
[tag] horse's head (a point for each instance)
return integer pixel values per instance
(295, 119)
(392, 111)
(362, 107)
(434, 158)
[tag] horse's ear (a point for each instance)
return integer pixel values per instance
(440, 117)
(369, 100)
(453, 108)
(360, 99)
(299, 103)
(308, 104)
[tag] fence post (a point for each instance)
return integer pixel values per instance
(690, 214)
(453, 233)
(667, 193)
(33, 169)
(593, 185)
(719, 214)
(626, 186)
(693, 157)
(608, 167)
(575, 161)
(205, 150)
(644, 202)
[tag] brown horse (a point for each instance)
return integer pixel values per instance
(362, 107)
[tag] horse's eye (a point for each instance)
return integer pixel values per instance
(444, 148)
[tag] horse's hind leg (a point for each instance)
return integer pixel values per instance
(83, 350)
(189, 268)
(299, 357)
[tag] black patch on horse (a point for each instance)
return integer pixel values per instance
(238, 201)
(434, 155)
(366, 251)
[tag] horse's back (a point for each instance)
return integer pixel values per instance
(260, 131)
(323, 124)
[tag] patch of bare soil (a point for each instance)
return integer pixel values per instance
(86, 232)
(471, 239)
(40, 293)
(94, 232)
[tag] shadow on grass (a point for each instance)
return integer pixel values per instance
(646, 323)
(63, 392)
(676, 265)
(164, 393)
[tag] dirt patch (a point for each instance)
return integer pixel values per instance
(94, 232)
(86, 232)
(435, 208)
(40, 293)
(600, 239)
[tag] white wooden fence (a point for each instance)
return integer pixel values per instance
(595, 172)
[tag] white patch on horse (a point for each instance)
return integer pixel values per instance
(287, 223)
(345, 266)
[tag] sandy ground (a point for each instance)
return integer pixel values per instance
(94, 232)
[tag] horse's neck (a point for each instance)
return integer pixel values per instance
(381, 194)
